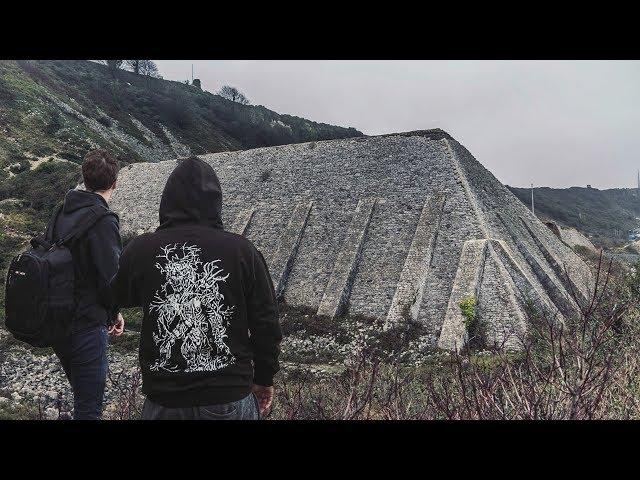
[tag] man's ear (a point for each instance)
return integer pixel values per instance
(113, 187)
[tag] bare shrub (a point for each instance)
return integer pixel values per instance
(128, 401)
(573, 368)
(233, 94)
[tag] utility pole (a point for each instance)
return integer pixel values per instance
(192, 83)
(533, 210)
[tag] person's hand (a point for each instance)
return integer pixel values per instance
(265, 397)
(117, 328)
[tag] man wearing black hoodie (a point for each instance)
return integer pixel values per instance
(95, 254)
(210, 331)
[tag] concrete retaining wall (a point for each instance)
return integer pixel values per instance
(401, 261)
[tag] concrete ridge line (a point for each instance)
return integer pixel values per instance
(558, 269)
(338, 290)
(407, 298)
(282, 260)
(517, 269)
(508, 282)
(562, 301)
(242, 221)
(473, 200)
(454, 335)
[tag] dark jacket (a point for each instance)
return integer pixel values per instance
(210, 327)
(95, 258)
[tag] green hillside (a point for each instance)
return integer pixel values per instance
(53, 112)
(56, 111)
(605, 215)
(63, 108)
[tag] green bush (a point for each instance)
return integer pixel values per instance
(44, 187)
(105, 121)
(54, 124)
(468, 308)
(71, 156)
(132, 318)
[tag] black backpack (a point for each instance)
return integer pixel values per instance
(39, 296)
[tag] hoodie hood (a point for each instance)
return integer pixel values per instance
(192, 195)
(77, 199)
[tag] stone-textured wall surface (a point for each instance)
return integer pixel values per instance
(574, 238)
(336, 294)
(265, 190)
(285, 254)
(500, 315)
(407, 300)
(465, 289)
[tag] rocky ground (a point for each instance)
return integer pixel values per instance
(33, 384)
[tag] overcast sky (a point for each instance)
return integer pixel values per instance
(553, 123)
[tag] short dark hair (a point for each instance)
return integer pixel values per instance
(99, 170)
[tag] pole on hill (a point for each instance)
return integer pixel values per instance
(533, 210)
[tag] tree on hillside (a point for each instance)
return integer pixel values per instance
(134, 65)
(149, 68)
(143, 67)
(233, 94)
(114, 64)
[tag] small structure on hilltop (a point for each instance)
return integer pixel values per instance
(404, 228)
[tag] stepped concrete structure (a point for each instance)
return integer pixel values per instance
(403, 228)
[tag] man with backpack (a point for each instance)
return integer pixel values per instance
(95, 254)
(210, 332)
(58, 292)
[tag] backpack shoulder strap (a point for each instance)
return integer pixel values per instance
(85, 224)
(51, 226)
(46, 239)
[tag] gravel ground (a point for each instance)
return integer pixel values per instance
(33, 384)
(35, 378)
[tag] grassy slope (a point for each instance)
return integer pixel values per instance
(41, 146)
(31, 123)
(597, 213)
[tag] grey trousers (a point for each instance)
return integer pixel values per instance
(245, 409)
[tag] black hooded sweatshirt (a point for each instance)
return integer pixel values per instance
(210, 327)
(95, 258)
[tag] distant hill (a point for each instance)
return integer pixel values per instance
(604, 215)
